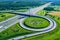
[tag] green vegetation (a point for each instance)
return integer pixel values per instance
(13, 31)
(22, 10)
(42, 12)
(49, 8)
(16, 30)
(34, 22)
(4, 16)
(57, 8)
(52, 8)
(16, 5)
(53, 35)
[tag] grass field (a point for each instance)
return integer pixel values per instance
(4, 16)
(34, 22)
(42, 12)
(13, 31)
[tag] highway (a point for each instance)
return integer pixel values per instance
(7, 23)
(11, 21)
(51, 27)
(33, 10)
(44, 29)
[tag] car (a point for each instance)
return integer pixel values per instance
(1, 26)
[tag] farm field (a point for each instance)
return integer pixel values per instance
(55, 13)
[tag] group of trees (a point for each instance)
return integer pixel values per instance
(18, 5)
(49, 8)
(56, 3)
(52, 8)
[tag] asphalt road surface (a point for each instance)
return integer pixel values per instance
(7, 23)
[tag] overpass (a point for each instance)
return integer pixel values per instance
(9, 22)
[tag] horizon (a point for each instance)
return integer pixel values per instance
(30, 0)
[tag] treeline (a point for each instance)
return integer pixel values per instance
(52, 8)
(18, 5)
(56, 3)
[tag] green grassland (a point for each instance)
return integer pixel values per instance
(34, 22)
(4, 16)
(42, 12)
(13, 31)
